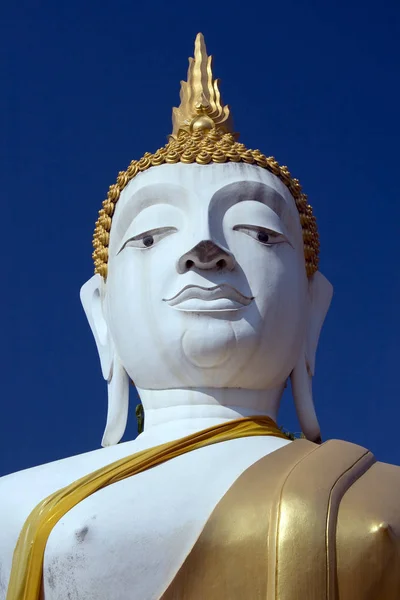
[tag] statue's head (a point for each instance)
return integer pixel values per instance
(206, 260)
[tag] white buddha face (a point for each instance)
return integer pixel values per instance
(206, 278)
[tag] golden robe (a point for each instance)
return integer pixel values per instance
(306, 522)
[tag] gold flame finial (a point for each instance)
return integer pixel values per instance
(201, 106)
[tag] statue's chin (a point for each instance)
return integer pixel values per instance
(207, 345)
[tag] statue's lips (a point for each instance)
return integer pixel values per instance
(205, 299)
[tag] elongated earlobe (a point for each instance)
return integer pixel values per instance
(303, 398)
(320, 295)
(118, 404)
(93, 300)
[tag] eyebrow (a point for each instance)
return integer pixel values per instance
(232, 193)
(258, 191)
(243, 190)
(242, 187)
(148, 195)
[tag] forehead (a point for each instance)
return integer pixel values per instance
(203, 185)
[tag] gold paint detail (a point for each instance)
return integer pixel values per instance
(203, 134)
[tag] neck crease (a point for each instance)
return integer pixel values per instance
(184, 411)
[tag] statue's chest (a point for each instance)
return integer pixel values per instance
(129, 540)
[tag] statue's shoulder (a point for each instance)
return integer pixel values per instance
(357, 481)
(29, 485)
(20, 492)
(335, 520)
(62, 472)
(57, 473)
(368, 529)
(357, 499)
(382, 479)
(372, 501)
(334, 455)
(342, 507)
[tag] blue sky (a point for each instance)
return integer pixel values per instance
(88, 86)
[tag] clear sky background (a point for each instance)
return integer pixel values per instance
(88, 86)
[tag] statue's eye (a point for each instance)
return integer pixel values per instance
(147, 239)
(263, 237)
(267, 237)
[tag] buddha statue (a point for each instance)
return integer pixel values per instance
(207, 296)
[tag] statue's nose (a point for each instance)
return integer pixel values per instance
(206, 255)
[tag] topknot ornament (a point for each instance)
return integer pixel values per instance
(201, 107)
(203, 133)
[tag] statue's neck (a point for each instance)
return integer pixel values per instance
(170, 414)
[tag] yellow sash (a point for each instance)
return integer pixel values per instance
(26, 573)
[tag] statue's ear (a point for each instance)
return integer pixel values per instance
(92, 298)
(320, 295)
(93, 302)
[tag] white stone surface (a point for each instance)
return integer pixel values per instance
(204, 341)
